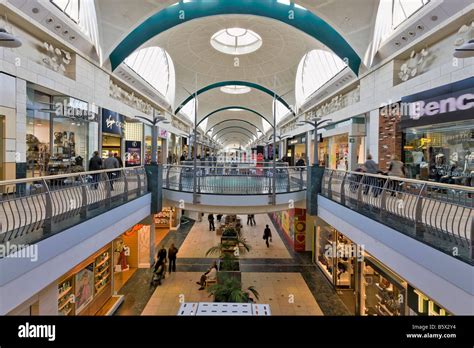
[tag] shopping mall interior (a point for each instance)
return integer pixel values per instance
(236, 157)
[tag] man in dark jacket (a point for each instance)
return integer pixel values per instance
(95, 163)
(210, 218)
(172, 252)
(267, 234)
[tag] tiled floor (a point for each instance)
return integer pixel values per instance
(287, 293)
(200, 239)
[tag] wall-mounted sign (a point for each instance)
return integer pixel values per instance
(133, 153)
(112, 122)
(422, 304)
(453, 102)
(163, 133)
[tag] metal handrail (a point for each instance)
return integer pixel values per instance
(217, 179)
(66, 175)
(437, 214)
(35, 208)
(415, 181)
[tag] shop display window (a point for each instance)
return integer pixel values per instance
(70, 145)
(442, 153)
(38, 132)
(336, 256)
(383, 294)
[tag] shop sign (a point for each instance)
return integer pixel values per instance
(112, 122)
(293, 142)
(453, 102)
(133, 153)
(163, 133)
(422, 304)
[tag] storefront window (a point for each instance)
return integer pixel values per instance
(383, 293)
(70, 144)
(442, 152)
(37, 133)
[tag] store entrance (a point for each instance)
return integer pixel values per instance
(111, 143)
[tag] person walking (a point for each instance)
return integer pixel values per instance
(119, 159)
(95, 163)
(172, 252)
(210, 218)
(396, 168)
(252, 220)
(249, 219)
(267, 235)
(161, 256)
(371, 168)
(111, 163)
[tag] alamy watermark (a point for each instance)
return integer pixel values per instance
(19, 251)
(356, 251)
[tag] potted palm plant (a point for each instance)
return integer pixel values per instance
(228, 264)
(230, 290)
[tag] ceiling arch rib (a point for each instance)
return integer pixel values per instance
(235, 108)
(232, 129)
(233, 120)
(235, 133)
(234, 83)
(301, 19)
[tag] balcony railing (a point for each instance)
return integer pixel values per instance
(235, 179)
(439, 215)
(36, 208)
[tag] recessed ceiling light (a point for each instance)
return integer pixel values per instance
(49, 20)
(404, 38)
(420, 27)
(397, 43)
(434, 18)
(35, 10)
(235, 89)
(411, 33)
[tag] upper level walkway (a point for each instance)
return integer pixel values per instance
(436, 214)
(37, 208)
(237, 187)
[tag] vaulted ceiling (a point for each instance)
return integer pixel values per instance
(198, 65)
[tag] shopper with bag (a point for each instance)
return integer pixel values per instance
(267, 235)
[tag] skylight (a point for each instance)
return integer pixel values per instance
(236, 41)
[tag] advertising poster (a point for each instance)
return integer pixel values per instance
(84, 287)
(133, 151)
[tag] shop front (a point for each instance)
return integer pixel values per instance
(62, 133)
(365, 285)
(161, 144)
(165, 221)
(296, 149)
(341, 145)
(89, 288)
(438, 134)
(113, 131)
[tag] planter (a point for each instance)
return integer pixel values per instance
(229, 272)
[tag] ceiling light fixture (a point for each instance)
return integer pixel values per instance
(235, 89)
